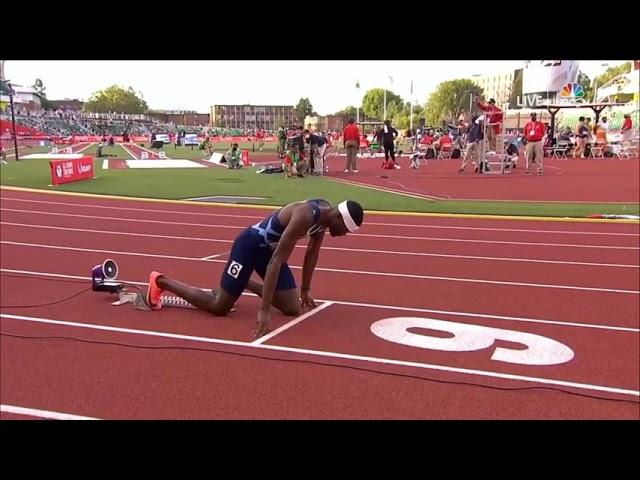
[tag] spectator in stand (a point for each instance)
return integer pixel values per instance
(533, 133)
(627, 128)
(350, 141)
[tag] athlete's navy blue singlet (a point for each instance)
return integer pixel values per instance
(253, 248)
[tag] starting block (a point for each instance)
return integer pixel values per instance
(68, 150)
(102, 280)
(137, 301)
(54, 150)
(495, 164)
(144, 155)
(162, 155)
(134, 298)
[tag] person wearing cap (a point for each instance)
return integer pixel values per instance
(265, 248)
(493, 121)
(533, 133)
(475, 140)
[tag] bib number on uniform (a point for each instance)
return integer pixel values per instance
(234, 269)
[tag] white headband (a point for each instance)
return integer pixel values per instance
(346, 217)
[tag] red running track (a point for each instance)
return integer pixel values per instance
(567, 180)
(573, 283)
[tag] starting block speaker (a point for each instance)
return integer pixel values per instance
(102, 277)
(144, 155)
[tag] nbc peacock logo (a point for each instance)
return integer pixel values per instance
(572, 90)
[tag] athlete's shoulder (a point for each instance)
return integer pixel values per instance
(319, 201)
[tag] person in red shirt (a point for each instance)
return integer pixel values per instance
(627, 128)
(260, 138)
(493, 118)
(446, 143)
(533, 133)
(351, 141)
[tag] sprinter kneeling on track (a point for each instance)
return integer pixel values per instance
(266, 247)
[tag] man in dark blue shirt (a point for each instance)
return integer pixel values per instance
(316, 152)
(475, 141)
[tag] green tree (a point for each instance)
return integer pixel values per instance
(303, 108)
(612, 72)
(450, 100)
(585, 81)
(116, 99)
(373, 102)
(349, 111)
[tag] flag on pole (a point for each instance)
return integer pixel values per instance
(391, 79)
(358, 83)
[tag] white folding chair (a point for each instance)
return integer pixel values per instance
(597, 150)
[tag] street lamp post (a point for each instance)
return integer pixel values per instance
(475, 75)
(6, 86)
(385, 97)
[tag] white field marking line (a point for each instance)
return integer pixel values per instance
(133, 156)
(109, 232)
(111, 252)
(211, 257)
(254, 217)
(32, 412)
(419, 196)
(155, 153)
(84, 148)
(375, 305)
(406, 191)
(492, 242)
(13, 149)
(237, 227)
(322, 353)
(292, 323)
(363, 272)
(345, 249)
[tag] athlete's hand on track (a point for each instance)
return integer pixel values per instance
(262, 326)
(306, 300)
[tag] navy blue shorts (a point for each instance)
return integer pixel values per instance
(246, 257)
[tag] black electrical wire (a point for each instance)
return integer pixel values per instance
(403, 375)
(312, 362)
(48, 303)
(56, 280)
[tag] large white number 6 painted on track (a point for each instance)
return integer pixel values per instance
(468, 338)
